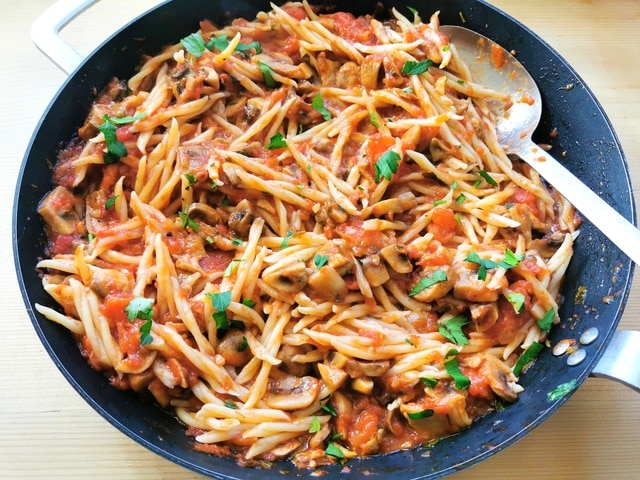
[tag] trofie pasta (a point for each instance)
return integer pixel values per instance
(300, 234)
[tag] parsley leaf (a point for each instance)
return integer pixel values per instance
(243, 345)
(188, 222)
(194, 44)
(230, 404)
(318, 105)
(267, 73)
(416, 68)
(562, 390)
(462, 382)
(191, 179)
(420, 415)
(527, 357)
(315, 425)
(115, 148)
(247, 302)
(510, 260)
(220, 302)
(221, 42)
(374, 119)
(428, 281)
(277, 141)
(546, 322)
(334, 450)
(387, 165)
(488, 178)
(429, 381)
(452, 330)
(329, 409)
(517, 300)
(232, 267)
(320, 260)
(111, 201)
(141, 308)
(285, 240)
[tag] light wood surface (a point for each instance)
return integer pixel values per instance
(47, 431)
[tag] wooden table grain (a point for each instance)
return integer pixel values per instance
(48, 432)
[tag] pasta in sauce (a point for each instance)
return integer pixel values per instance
(300, 234)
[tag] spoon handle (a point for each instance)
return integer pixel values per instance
(613, 225)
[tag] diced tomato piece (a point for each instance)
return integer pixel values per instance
(443, 224)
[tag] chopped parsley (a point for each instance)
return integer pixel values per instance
(562, 390)
(188, 222)
(329, 409)
(247, 302)
(387, 165)
(141, 308)
(243, 345)
(115, 148)
(285, 240)
(429, 381)
(334, 450)
(277, 141)
(462, 382)
(230, 404)
(111, 201)
(267, 73)
(194, 44)
(232, 267)
(416, 68)
(546, 322)
(420, 415)
(510, 260)
(191, 179)
(451, 329)
(315, 425)
(374, 119)
(527, 357)
(318, 105)
(488, 178)
(517, 300)
(320, 260)
(220, 302)
(428, 281)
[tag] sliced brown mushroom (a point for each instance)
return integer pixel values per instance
(291, 277)
(328, 284)
(333, 376)
(205, 213)
(501, 378)
(397, 257)
(374, 270)
(106, 281)
(287, 355)
(292, 393)
(59, 211)
(357, 368)
(484, 315)
(438, 289)
(234, 348)
(241, 218)
(404, 201)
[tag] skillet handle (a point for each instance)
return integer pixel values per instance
(621, 359)
(45, 32)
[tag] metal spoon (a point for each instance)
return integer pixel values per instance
(515, 126)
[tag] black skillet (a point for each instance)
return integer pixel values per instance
(586, 144)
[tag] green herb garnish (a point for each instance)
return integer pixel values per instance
(318, 105)
(141, 308)
(416, 68)
(194, 44)
(562, 390)
(546, 322)
(277, 141)
(429, 381)
(111, 201)
(451, 329)
(320, 260)
(420, 415)
(517, 300)
(488, 178)
(285, 240)
(527, 357)
(453, 369)
(267, 73)
(428, 281)
(387, 165)
(220, 302)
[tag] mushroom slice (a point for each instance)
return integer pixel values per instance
(292, 393)
(290, 277)
(241, 218)
(334, 377)
(328, 283)
(357, 369)
(397, 258)
(374, 270)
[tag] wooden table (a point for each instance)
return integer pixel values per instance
(47, 431)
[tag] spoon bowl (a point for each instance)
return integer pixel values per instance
(494, 67)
